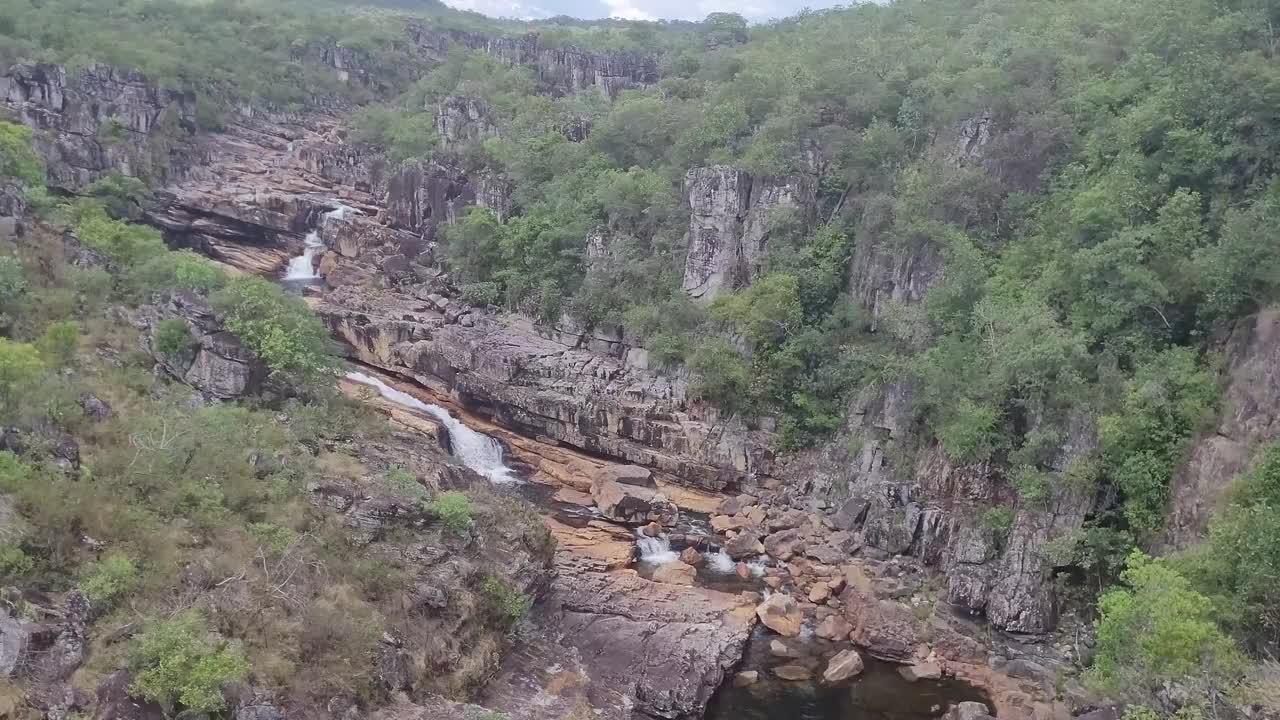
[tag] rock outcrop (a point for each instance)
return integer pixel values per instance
(100, 121)
(1250, 418)
(731, 216)
(215, 363)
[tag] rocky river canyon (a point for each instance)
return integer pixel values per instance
(698, 572)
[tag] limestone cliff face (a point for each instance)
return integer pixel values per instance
(98, 121)
(731, 216)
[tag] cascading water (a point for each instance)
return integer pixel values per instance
(720, 562)
(655, 550)
(476, 450)
(303, 266)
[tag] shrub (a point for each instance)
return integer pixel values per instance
(59, 342)
(481, 293)
(106, 581)
(506, 604)
(180, 662)
(403, 481)
(126, 243)
(20, 368)
(1157, 630)
(453, 509)
(17, 158)
(179, 270)
(173, 337)
(276, 538)
(279, 327)
(721, 374)
(998, 519)
(14, 562)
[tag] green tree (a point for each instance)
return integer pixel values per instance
(277, 326)
(1156, 630)
(17, 158)
(58, 343)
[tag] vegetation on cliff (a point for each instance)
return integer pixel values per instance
(197, 531)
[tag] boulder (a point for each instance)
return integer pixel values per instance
(778, 648)
(744, 544)
(845, 664)
(785, 544)
(819, 592)
(632, 504)
(781, 614)
(746, 678)
(793, 672)
(725, 523)
(691, 556)
(14, 638)
(833, 627)
(968, 710)
(625, 474)
(920, 671)
(675, 573)
(115, 703)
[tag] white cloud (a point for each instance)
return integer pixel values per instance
(625, 10)
(501, 8)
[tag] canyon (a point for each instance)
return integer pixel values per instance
(872, 547)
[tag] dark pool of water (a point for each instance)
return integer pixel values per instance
(879, 693)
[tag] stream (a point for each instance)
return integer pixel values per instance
(879, 693)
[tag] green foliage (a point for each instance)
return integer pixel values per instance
(119, 194)
(14, 563)
(17, 158)
(481, 293)
(277, 326)
(275, 538)
(720, 374)
(406, 137)
(178, 270)
(20, 368)
(998, 519)
(453, 509)
(106, 581)
(174, 338)
(1157, 629)
(58, 343)
(1240, 562)
(506, 604)
(179, 662)
(404, 481)
(126, 243)
(1163, 404)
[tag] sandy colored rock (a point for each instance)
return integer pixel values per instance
(781, 649)
(781, 614)
(675, 573)
(652, 530)
(846, 664)
(833, 627)
(744, 544)
(746, 678)
(725, 523)
(793, 672)
(920, 671)
(819, 592)
(691, 556)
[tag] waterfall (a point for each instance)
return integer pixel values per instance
(656, 550)
(303, 266)
(720, 562)
(476, 450)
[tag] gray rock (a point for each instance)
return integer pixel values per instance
(846, 664)
(14, 639)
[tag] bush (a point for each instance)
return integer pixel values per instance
(721, 374)
(279, 327)
(179, 270)
(17, 158)
(998, 520)
(481, 293)
(174, 338)
(125, 243)
(506, 604)
(14, 562)
(106, 581)
(180, 662)
(276, 538)
(1157, 630)
(20, 368)
(59, 342)
(404, 481)
(453, 509)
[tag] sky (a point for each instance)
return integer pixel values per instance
(754, 10)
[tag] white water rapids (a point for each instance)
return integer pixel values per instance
(303, 267)
(655, 550)
(476, 450)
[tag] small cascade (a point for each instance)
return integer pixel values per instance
(719, 561)
(655, 550)
(476, 450)
(302, 267)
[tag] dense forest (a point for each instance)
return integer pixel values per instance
(1119, 219)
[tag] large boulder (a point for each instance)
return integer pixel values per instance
(845, 664)
(632, 504)
(744, 544)
(216, 363)
(781, 614)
